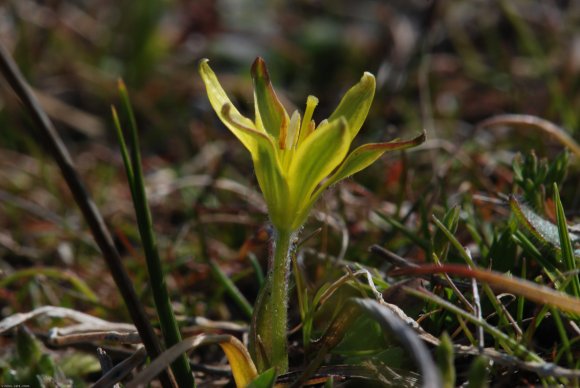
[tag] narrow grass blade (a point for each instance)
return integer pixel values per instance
(445, 359)
(53, 273)
(465, 255)
(124, 149)
(231, 289)
(532, 291)
(440, 243)
(532, 121)
(565, 244)
(50, 139)
(165, 312)
(413, 236)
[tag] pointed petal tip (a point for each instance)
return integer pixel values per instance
(259, 69)
(203, 62)
(368, 77)
(203, 66)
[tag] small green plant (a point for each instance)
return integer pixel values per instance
(295, 161)
(535, 176)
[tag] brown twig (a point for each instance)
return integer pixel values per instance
(49, 138)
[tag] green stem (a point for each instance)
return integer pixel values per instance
(268, 343)
(279, 302)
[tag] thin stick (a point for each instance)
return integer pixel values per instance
(49, 138)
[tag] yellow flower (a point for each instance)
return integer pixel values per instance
(295, 160)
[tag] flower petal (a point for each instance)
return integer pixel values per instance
(272, 182)
(218, 100)
(267, 168)
(364, 156)
(269, 110)
(320, 153)
(355, 104)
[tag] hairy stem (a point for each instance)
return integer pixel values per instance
(279, 302)
(269, 324)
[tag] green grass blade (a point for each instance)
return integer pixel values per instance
(411, 235)
(231, 289)
(565, 243)
(54, 273)
(124, 150)
(563, 335)
(257, 268)
(167, 320)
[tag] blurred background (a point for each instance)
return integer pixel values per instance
(440, 65)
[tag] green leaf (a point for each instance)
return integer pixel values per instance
(444, 353)
(542, 229)
(503, 251)
(478, 373)
(440, 242)
(355, 104)
(79, 364)
(320, 153)
(364, 156)
(27, 346)
(219, 99)
(270, 114)
(231, 289)
(264, 380)
(565, 243)
(363, 337)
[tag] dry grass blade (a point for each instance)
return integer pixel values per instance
(528, 120)
(86, 123)
(91, 327)
(408, 338)
(540, 368)
(121, 370)
(52, 311)
(90, 336)
(532, 291)
(390, 321)
(344, 372)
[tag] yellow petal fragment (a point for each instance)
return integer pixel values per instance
(243, 368)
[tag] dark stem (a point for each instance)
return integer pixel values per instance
(49, 138)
